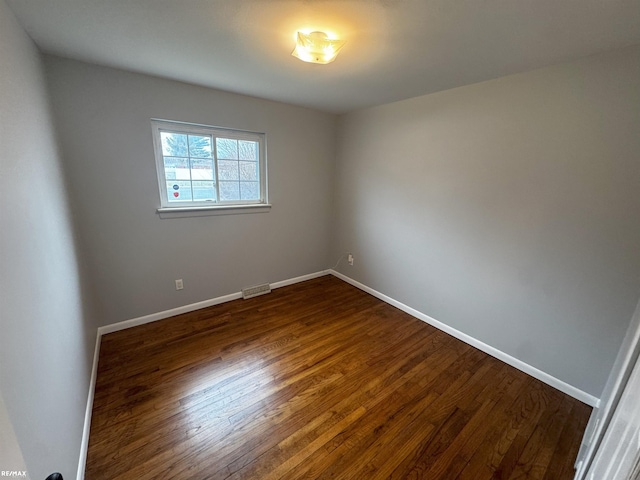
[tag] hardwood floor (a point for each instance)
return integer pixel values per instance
(319, 380)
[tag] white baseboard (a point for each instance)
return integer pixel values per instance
(84, 446)
(488, 349)
(134, 322)
(154, 317)
(302, 278)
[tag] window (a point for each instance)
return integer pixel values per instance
(200, 166)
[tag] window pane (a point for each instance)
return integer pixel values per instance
(227, 148)
(179, 191)
(250, 190)
(174, 144)
(229, 191)
(203, 191)
(201, 169)
(201, 165)
(200, 146)
(249, 171)
(228, 170)
(248, 150)
(176, 168)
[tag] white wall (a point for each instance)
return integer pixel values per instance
(103, 116)
(506, 209)
(10, 453)
(46, 334)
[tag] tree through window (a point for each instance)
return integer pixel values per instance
(205, 166)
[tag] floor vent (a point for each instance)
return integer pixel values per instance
(255, 291)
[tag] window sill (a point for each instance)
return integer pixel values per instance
(179, 212)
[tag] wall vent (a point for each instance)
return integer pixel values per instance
(255, 291)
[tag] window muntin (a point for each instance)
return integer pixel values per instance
(200, 166)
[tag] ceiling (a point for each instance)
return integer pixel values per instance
(395, 49)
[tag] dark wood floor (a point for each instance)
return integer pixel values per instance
(319, 380)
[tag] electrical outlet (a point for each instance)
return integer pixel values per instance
(350, 260)
(179, 284)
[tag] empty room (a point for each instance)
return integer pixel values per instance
(286, 239)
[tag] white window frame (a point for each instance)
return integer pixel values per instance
(159, 126)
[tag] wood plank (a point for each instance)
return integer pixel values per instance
(319, 380)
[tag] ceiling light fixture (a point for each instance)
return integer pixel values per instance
(317, 47)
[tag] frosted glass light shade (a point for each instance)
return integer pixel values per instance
(316, 47)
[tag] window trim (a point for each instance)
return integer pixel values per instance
(179, 212)
(159, 125)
